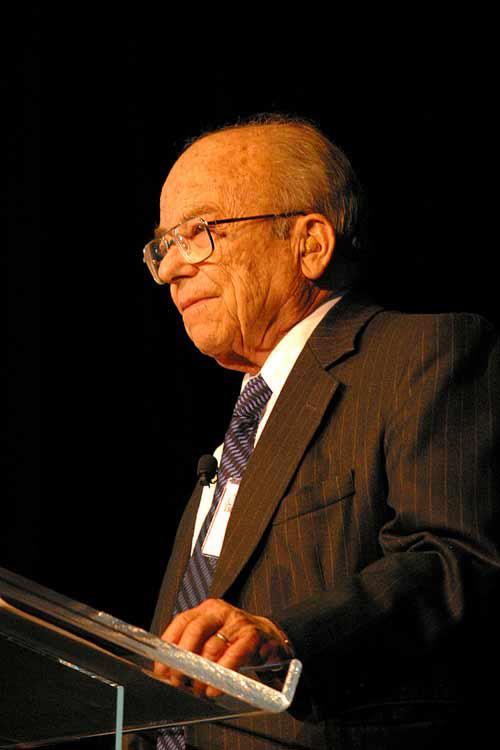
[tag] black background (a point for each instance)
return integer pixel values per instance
(107, 399)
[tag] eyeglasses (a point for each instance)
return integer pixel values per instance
(194, 240)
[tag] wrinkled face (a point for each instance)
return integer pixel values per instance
(238, 303)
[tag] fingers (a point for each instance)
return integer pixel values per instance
(194, 630)
(213, 650)
(225, 635)
(251, 644)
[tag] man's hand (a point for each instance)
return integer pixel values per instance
(243, 640)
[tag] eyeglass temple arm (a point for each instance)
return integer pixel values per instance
(214, 222)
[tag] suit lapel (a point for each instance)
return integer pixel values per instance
(177, 564)
(290, 428)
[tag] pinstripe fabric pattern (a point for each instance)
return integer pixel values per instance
(238, 446)
(364, 526)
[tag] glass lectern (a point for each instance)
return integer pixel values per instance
(68, 671)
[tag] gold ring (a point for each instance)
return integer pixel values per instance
(222, 637)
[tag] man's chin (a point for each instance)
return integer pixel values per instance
(218, 348)
(208, 346)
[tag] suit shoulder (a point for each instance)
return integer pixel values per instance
(446, 326)
(401, 341)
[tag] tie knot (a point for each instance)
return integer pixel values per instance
(252, 399)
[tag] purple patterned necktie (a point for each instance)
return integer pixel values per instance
(238, 446)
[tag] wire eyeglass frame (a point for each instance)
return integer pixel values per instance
(156, 250)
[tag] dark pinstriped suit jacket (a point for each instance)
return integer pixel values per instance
(364, 525)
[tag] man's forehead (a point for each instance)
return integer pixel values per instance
(227, 152)
(240, 142)
(209, 169)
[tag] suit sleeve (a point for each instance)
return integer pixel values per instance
(431, 592)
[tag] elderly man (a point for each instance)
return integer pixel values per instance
(351, 522)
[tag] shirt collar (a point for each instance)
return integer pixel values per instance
(282, 358)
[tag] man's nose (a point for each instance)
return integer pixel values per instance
(174, 266)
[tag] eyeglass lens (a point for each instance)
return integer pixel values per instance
(193, 238)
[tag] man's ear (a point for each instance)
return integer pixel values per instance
(317, 244)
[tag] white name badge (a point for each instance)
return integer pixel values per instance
(215, 535)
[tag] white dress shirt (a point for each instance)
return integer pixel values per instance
(275, 372)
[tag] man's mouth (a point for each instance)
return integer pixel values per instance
(191, 301)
